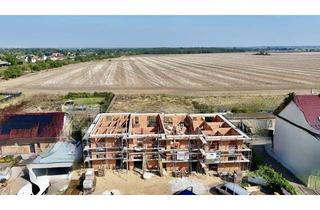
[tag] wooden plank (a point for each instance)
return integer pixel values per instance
(203, 152)
(203, 140)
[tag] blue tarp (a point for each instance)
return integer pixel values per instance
(188, 191)
(185, 192)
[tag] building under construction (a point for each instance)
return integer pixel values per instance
(178, 143)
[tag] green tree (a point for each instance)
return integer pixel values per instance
(13, 72)
(11, 58)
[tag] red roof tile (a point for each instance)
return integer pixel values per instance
(31, 125)
(310, 106)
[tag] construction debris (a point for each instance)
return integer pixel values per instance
(5, 174)
(147, 175)
(89, 182)
(39, 188)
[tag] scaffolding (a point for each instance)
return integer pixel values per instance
(145, 138)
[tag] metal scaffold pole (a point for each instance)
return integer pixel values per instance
(190, 156)
(174, 156)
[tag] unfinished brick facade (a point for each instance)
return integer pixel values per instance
(179, 143)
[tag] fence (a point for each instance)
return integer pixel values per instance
(9, 95)
(314, 183)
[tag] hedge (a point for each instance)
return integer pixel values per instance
(275, 180)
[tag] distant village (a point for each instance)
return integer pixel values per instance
(30, 58)
(53, 57)
(15, 63)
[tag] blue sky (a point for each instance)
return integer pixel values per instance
(158, 31)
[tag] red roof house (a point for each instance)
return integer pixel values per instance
(296, 142)
(27, 127)
(310, 107)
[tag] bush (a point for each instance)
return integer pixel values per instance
(13, 72)
(55, 64)
(73, 95)
(203, 108)
(103, 94)
(239, 110)
(11, 58)
(275, 180)
(35, 67)
(39, 66)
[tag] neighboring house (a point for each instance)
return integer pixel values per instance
(57, 56)
(44, 58)
(56, 162)
(32, 132)
(32, 58)
(4, 64)
(296, 141)
(52, 166)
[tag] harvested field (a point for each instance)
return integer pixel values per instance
(192, 74)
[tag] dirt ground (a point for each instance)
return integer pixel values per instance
(33, 103)
(131, 183)
(184, 104)
(146, 103)
(192, 74)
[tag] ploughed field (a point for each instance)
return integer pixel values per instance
(185, 74)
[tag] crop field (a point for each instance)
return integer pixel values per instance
(192, 74)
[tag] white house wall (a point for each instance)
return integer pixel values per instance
(292, 113)
(296, 149)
